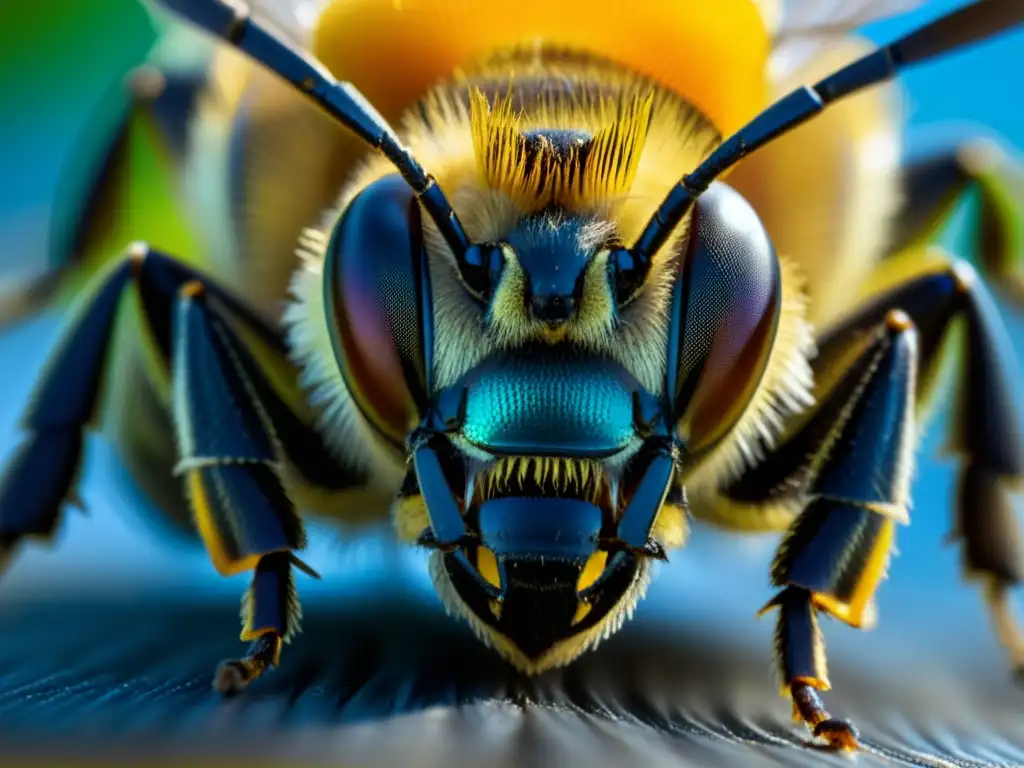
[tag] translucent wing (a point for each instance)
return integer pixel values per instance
(802, 18)
(296, 18)
(802, 28)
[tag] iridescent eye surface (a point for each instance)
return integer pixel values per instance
(374, 299)
(730, 300)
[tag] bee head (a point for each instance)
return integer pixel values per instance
(540, 474)
(538, 471)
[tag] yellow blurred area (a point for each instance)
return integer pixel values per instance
(712, 50)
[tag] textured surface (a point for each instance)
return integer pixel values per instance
(385, 678)
(110, 642)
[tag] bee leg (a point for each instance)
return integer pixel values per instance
(835, 553)
(838, 546)
(229, 458)
(271, 613)
(986, 431)
(63, 403)
(800, 657)
(937, 181)
(237, 432)
(234, 675)
(167, 96)
(65, 400)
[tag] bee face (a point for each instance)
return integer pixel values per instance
(554, 263)
(539, 467)
(536, 481)
(543, 472)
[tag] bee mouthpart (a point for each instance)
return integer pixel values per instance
(461, 495)
(540, 476)
(560, 548)
(613, 488)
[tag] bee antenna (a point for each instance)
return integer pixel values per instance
(961, 27)
(230, 20)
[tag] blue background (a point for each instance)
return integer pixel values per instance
(52, 76)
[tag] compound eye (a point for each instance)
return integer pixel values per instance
(729, 300)
(374, 290)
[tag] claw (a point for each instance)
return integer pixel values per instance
(838, 735)
(235, 675)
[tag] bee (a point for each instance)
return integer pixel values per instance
(534, 326)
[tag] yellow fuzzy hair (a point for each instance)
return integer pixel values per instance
(606, 170)
(582, 476)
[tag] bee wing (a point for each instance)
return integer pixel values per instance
(803, 28)
(296, 18)
(803, 18)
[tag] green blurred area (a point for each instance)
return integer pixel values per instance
(64, 98)
(78, 27)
